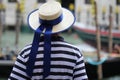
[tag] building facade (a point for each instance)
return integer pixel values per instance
(83, 10)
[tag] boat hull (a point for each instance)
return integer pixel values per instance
(89, 33)
(88, 36)
(110, 68)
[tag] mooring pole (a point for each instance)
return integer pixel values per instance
(110, 31)
(1, 26)
(18, 24)
(99, 71)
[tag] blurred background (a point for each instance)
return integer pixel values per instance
(96, 32)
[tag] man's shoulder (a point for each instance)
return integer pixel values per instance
(66, 44)
(25, 51)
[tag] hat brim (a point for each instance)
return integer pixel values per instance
(67, 21)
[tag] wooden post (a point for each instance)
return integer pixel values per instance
(88, 17)
(1, 26)
(103, 14)
(18, 24)
(117, 17)
(78, 13)
(110, 31)
(98, 43)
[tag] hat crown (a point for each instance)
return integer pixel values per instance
(50, 10)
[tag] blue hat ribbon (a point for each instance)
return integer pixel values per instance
(47, 26)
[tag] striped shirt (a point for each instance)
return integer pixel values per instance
(67, 62)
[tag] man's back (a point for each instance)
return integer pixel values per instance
(66, 62)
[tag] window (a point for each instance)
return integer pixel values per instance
(41, 1)
(12, 1)
(88, 1)
(118, 2)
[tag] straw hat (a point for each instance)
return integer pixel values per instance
(51, 11)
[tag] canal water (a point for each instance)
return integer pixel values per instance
(8, 40)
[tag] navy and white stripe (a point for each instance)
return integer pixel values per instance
(67, 63)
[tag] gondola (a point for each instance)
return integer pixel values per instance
(88, 34)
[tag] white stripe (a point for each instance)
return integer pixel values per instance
(61, 70)
(39, 56)
(64, 43)
(26, 53)
(62, 63)
(80, 65)
(39, 63)
(56, 77)
(56, 63)
(37, 77)
(62, 48)
(19, 71)
(17, 77)
(21, 58)
(59, 48)
(40, 49)
(20, 65)
(80, 59)
(80, 71)
(58, 42)
(81, 78)
(37, 70)
(63, 56)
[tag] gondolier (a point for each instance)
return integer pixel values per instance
(49, 56)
